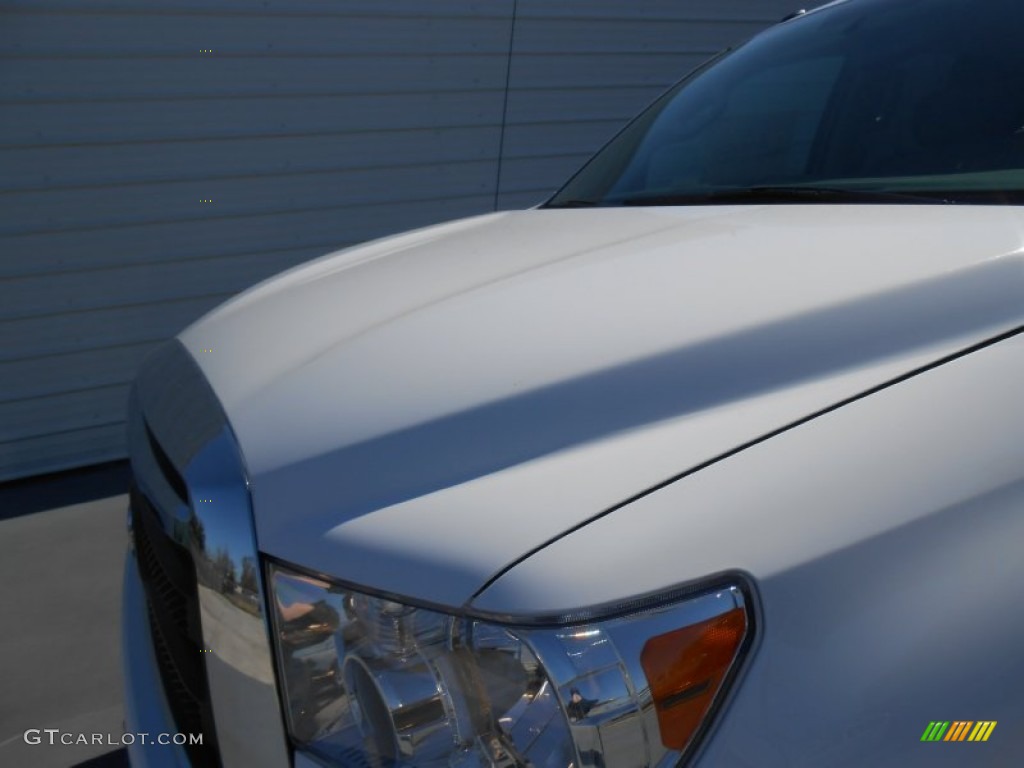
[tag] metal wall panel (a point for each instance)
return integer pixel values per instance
(73, 165)
(310, 125)
(89, 207)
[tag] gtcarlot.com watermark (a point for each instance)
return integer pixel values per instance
(55, 736)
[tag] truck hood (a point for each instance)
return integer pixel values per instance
(418, 413)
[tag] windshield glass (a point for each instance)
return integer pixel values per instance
(865, 101)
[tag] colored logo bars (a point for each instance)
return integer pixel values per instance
(959, 730)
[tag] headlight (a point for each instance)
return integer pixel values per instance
(374, 682)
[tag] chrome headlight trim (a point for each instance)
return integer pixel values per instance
(613, 637)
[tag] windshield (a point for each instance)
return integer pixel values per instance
(865, 101)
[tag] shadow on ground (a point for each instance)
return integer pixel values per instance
(62, 548)
(37, 494)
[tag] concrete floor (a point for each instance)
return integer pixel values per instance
(60, 594)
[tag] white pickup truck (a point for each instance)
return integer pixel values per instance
(716, 458)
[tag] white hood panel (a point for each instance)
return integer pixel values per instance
(419, 412)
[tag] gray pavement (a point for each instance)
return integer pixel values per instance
(60, 594)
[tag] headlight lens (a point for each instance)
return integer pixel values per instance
(373, 682)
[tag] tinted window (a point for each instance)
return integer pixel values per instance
(903, 96)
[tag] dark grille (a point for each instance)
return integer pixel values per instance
(173, 477)
(168, 575)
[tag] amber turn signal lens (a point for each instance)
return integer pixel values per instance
(685, 669)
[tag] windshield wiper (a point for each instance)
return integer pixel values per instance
(784, 194)
(573, 204)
